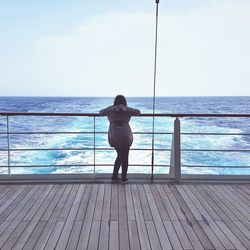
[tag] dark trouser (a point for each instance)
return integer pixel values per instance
(121, 160)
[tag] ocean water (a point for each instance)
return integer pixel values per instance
(194, 162)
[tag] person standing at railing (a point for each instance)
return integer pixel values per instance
(120, 135)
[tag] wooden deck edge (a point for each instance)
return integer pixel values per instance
(133, 179)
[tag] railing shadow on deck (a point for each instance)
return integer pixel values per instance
(175, 165)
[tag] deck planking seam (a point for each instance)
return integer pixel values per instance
(105, 219)
(35, 220)
(31, 224)
(191, 220)
(236, 206)
(19, 213)
(84, 237)
(158, 224)
(227, 206)
(51, 217)
(60, 228)
(235, 196)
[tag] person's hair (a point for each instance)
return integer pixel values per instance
(120, 99)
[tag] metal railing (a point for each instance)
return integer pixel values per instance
(175, 166)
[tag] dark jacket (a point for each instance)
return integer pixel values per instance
(119, 134)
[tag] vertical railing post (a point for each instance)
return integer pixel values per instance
(175, 161)
(8, 143)
(94, 147)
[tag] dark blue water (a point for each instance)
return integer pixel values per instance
(83, 142)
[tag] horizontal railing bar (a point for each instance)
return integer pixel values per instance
(139, 133)
(134, 149)
(215, 166)
(79, 149)
(216, 150)
(84, 165)
(86, 132)
(214, 134)
(95, 114)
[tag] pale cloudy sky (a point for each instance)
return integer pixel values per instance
(104, 48)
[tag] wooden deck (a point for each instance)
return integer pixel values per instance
(132, 216)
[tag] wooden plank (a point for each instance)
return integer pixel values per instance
(122, 204)
(84, 202)
(238, 193)
(52, 201)
(202, 197)
(39, 201)
(21, 202)
(185, 242)
(114, 203)
(192, 236)
(106, 203)
(162, 234)
(212, 236)
(244, 191)
(5, 189)
(153, 237)
(243, 229)
(86, 227)
(11, 192)
(141, 225)
(202, 211)
(133, 235)
(123, 235)
(189, 203)
(32, 240)
(104, 235)
(191, 219)
(91, 204)
(242, 238)
(68, 204)
(14, 236)
(74, 236)
(53, 217)
(241, 204)
(224, 203)
(99, 203)
(167, 203)
(41, 242)
(14, 212)
(15, 198)
(144, 203)
(7, 233)
(220, 235)
(230, 235)
(174, 202)
(70, 218)
(113, 236)
(129, 203)
(123, 221)
(94, 235)
(55, 234)
(235, 205)
(157, 219)
(152, 205)
(175, 242)
(84, 235)
(53, 196)
(218, 210)
(159, 203)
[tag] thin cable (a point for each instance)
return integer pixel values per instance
(155, 67)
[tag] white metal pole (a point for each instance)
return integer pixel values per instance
(154, 89)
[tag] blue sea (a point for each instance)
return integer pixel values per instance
(194, 162)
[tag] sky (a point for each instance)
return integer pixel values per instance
(105, 48)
